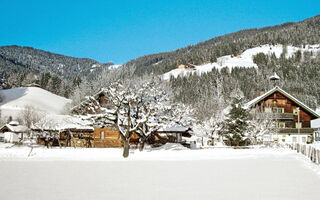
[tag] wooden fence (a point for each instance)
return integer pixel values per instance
(309, 151)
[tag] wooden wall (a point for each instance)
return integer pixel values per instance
(279, 100)
(110, 137)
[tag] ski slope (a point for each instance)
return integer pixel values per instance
(15, 100)
(243, 60)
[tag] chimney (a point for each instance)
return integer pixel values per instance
(261, 93)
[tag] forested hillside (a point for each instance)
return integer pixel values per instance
(58, 73)
(206, 94)
(299, 73)
(304, 32)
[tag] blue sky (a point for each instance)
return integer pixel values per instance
(119, 31)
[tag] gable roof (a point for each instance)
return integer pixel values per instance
(256, 100)
(15, 128)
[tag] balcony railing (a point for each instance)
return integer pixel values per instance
(296, 131)
(284, 116)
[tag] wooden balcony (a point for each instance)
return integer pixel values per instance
(295, 131)
(289, 116)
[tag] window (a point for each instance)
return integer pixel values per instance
(298, 125)
(102, 135)
(281, 125)
(278, 110)
(267, 110)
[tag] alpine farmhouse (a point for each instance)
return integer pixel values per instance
(292, 117)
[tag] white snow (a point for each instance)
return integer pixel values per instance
(316, 123)
(114, 66)
(243, 60)
(42, 100)
(61, 122)
(158, 174)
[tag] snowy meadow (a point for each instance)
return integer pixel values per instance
(171, 172)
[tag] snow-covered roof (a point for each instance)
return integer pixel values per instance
(15, 128)
(89, 99)
(256, 100)
(274, 77)
(62, 122)
(13, 123)
(176, 127)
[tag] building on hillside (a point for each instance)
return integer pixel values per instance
(13, 132)
(92, 105)
(292, 117)
(33, 85)
(187, 66)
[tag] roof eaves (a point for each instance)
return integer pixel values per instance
(258, 99)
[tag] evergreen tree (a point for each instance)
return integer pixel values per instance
(236, 124)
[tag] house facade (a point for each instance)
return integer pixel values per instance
(292, 117)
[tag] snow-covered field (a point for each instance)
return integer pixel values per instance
(243, 60)
(171, 173)
(14, 100)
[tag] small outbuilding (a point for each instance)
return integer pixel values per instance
(13, 132)
(173, 134)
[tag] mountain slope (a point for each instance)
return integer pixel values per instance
(246, 59)
(22, 65)
(296, 34)
(15, 100)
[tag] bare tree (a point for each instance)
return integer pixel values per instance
(261, 124)
(29, 115)
(129, 113)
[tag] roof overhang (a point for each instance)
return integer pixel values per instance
(253, 102)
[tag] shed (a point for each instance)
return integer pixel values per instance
(13, 132)
(177, 131)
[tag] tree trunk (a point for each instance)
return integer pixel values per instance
(141, 146)
(126, 148)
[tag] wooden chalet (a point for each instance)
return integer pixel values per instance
(105, 134)
(292, 117)
(109, 136)
(92, 105)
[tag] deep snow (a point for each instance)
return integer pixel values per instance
(17, 98)
(176, 173)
